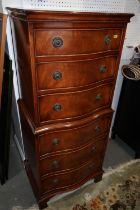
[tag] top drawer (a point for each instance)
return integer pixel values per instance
(74, 42)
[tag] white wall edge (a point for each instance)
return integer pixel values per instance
(19, 148)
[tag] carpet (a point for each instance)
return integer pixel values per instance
(118, 190)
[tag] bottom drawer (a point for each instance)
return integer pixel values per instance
(68, 179)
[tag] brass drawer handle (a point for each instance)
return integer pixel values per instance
(55, 141)
(57, 75)
(107, 40)
(55, 181)
(97, 129)
(99, 97)
(55, 164)
(103, 69)
(57, 42)
(57, 107)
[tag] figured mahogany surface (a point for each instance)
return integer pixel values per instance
(71, 74)
(68, 63)
(68, 139)
(67, 160)
(74, 104)
(57, 182)
(75, 41)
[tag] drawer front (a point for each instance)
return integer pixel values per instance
(70, 160)
(67, 179)
(74, 104)
(75, 73)
(72, 138)
(72, 42)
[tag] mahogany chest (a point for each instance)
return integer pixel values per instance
(67, 64)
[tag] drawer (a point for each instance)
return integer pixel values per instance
(71, 138)
(55, 75)
(70, 178)
(68, 105)
(75, 42)
(69, 160)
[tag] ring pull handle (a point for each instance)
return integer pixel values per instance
(107, 40)
(57, 107)
(91, 167)
(97, 129)
(57, 75)
(55, 181)
(57, 42)
(103, 69)
(55, 141)
(99, 97)
(93, 149)
(55, 164)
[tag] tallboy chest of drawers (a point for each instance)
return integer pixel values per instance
(67, 65)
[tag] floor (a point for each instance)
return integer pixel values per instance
(17, 194)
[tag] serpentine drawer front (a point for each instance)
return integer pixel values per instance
(70, 42)
(79, 73)
(68, 64)
(73, 159)
(64, 180)
(69, 139)
(74, 104)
